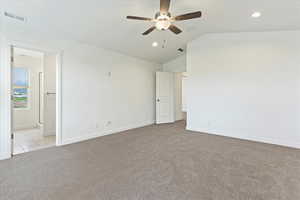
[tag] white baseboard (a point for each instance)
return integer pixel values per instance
(275, 141)
(103, 133)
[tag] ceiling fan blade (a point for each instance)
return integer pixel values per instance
(188, 16)
(164, 6)
(149, 30)
(175, 29)
(139, 18)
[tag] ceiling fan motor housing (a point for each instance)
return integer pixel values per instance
(162, 14)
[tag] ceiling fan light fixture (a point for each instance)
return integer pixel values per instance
(162, 25)
(163, 22)
(163, 19)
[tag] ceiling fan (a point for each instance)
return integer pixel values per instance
(163, 19)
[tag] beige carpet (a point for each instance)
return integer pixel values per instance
(157, 163)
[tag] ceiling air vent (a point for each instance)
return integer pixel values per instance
(180, 49)
(16, 17)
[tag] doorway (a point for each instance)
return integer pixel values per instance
(33, 102)
(170, 97)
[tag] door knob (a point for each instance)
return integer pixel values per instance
(158, 100)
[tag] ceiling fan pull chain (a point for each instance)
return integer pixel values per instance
(164, 44)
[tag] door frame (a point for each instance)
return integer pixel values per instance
(5, 112)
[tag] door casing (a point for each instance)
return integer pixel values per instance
(6, 86)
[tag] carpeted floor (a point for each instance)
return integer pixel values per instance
(155, 162)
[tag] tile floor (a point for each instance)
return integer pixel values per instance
(30, 140)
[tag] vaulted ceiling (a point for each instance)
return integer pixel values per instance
(103, 22)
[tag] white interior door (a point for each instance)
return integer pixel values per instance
(165, 110)
(49, 94)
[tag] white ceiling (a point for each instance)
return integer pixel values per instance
(103, 22)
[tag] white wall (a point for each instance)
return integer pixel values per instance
(49, 95)
(29, 117)
(184, 80)
(103, 91)
(176, 65)
(179, 115)
(246, 85)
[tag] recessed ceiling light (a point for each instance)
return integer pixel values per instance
(256, 15)
(154, 44)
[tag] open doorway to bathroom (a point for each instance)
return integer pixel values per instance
(180, 96)
(33, 100)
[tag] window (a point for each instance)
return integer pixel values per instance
(20, 88)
